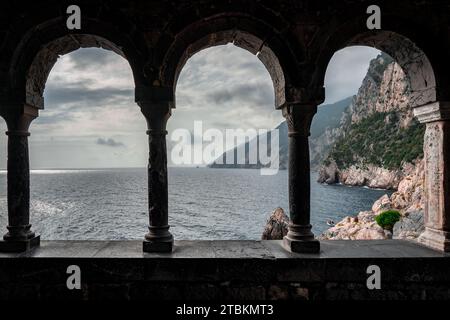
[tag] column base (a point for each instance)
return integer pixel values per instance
(20, 245)
(157, 246)
(301, 246)
(435, 239)
(158, 239)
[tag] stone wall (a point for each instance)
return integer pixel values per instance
(224, 270)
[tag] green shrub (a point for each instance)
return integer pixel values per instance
(387, 219)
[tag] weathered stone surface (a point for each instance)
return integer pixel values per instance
(277, 225)
(329, 174)
(410, 226)
(278, 292)
(382, 204)
(298, 118)
(361, 227)
(159, 238)
(19, 237)
(436, 186)
(410, 195)
(337, 272)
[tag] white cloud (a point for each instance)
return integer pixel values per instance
(89, 95)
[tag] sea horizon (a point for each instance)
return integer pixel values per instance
(204, 203)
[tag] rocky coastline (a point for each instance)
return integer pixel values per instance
(365, 175)
(375, 146)
(408, 200)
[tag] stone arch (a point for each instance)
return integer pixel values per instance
(399, 44)
(256, 38)
(40, 48)
(410, 57)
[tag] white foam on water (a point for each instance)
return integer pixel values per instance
(44, 208)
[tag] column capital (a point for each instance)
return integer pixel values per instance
(154, 94)
(155, 107)
(299, 117)
(431, 112)
(156, 114)
(298, 95)
(18, 118)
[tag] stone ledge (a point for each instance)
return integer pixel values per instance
(231, 249)
(222, 270)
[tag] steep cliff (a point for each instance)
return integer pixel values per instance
(378, 136)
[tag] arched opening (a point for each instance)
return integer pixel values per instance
(87, 148)
(220, 88)
(42, 64)
(408, 55)
(179, 55)
(412, 60)
(375, 143)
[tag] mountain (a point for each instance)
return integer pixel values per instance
(378, 134)
(328, 117)
(325, 129)
(379, 144)
(260, 141)
(364, 140)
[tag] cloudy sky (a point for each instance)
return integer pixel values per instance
(91, 120)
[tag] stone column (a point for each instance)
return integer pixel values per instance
(299, 238)
(20, 237)
(158, 239)
(436, 117)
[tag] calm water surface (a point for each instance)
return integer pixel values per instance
(203, 203)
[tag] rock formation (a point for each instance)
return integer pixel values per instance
(408, 200)
(410, 227)
(361, 227)
(371, 176)
(378, 136)
(276, 226)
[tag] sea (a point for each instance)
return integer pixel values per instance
(204, 203)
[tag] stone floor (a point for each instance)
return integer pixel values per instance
(230, 249)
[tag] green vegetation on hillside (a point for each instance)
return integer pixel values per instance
(387, 219)
(378, 140)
